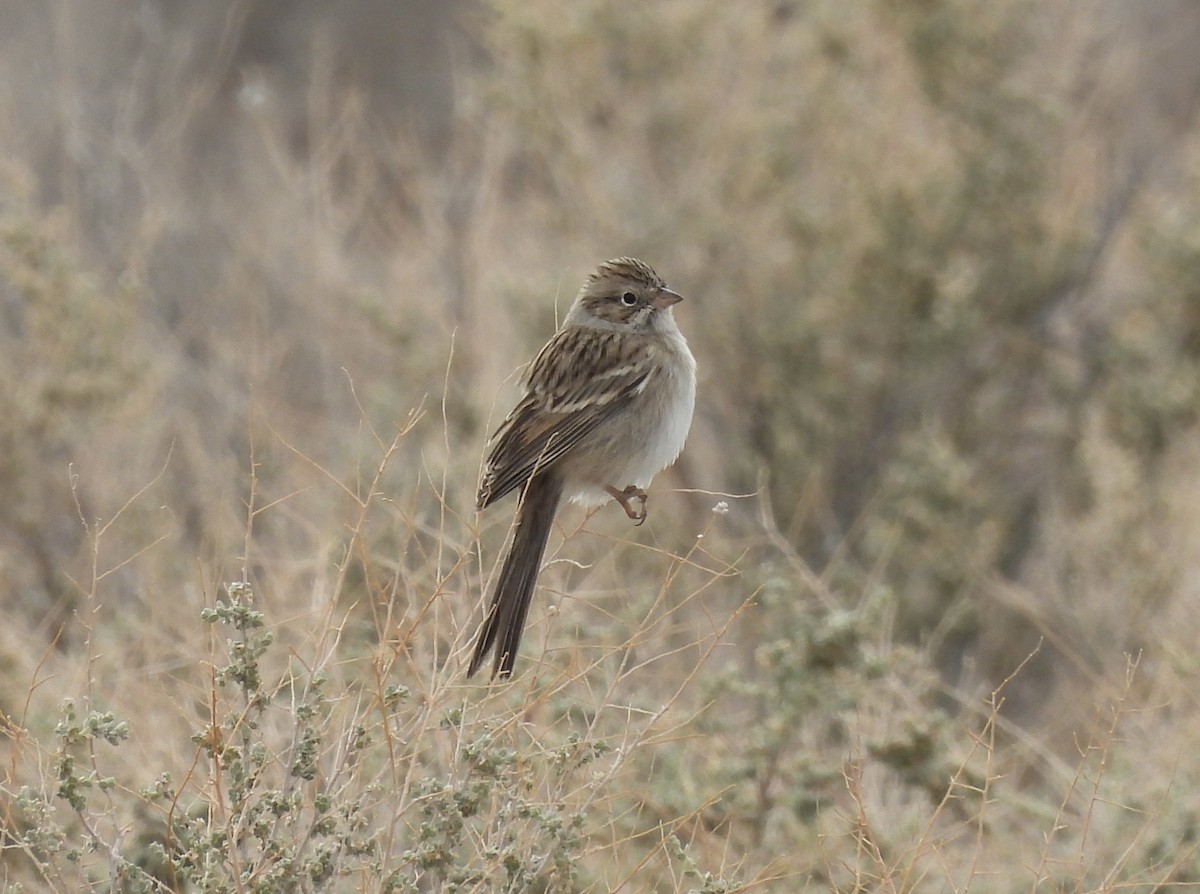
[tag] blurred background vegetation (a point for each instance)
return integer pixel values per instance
(943, 268)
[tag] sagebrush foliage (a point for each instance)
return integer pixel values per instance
(264, 276)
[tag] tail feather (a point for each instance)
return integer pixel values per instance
(505, 620)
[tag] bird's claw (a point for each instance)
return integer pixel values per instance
(627, 497)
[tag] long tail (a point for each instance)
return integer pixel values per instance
(514, 589)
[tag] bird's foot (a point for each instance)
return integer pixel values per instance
(627, 497)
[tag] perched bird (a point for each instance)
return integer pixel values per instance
(608, 404)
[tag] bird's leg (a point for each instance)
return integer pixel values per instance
(626, 497)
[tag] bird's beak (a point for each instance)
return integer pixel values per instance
(665, 298)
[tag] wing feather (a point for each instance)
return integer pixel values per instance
(561, 407)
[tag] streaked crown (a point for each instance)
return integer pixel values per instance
(623, 270)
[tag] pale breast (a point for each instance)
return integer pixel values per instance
(647, 438)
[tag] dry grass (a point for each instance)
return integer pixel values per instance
(913, 613)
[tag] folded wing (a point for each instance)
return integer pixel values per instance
(561, 407)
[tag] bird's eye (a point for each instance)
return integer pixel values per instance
(629, 299)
